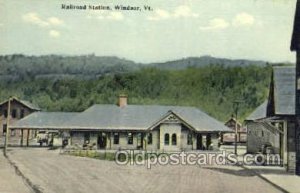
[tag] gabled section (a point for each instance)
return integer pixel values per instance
(22, 102)
(171, 117)
(232, 122)
(281, 100)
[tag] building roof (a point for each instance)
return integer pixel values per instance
(44, 120)
(232, 119)
(259, 113)
(231, 124)
(295, 43)
(282, 96)
(143, 117)
(23, 102)
(284, 90)
(130, 117)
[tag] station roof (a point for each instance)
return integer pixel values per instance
(113, 117)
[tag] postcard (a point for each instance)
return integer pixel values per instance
(149, 96)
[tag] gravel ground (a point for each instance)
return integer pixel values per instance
(54, 173)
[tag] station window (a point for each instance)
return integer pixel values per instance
(14, 113)
(12, 132)
(22, 113)
(130, 139)
(174, 139)
(149, 139)
(167, 139)
(4, 129)
(189, 139)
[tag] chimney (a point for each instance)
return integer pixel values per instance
(122, 100)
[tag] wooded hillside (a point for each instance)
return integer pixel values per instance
(212, 88)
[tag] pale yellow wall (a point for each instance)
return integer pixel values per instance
(123, 141)
(157, 139)
(170, 128)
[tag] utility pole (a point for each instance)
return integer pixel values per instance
(236, 105)
(7, 128)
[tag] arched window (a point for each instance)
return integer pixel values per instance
(167, 139)
(174, 139)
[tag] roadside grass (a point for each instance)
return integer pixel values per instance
(110, 156)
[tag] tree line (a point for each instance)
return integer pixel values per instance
(212, 88)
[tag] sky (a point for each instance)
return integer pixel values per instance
(174, 29)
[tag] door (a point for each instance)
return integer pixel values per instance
(298, 155)
(281, 148)
(102, 140)
(199, 141)
(208, 142)
(140, 137)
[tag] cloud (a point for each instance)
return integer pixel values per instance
(216, 24)
(35, 19)
(55, 21)
(240, 20)
(243, 19)
(182, 11)
(109, 15)
(54, 33)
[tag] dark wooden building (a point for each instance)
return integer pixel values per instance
(19, 109)
(272, 125)
(295, 46)
(230, 137)
(279, 116)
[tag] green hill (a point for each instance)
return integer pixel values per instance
(211, 88)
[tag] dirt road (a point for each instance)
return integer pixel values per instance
(54, 173)
(10, 182)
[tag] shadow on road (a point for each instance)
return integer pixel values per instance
(250, 171)
(241, 172)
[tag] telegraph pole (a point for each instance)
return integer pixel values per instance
(236, 104)
(7, 128)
